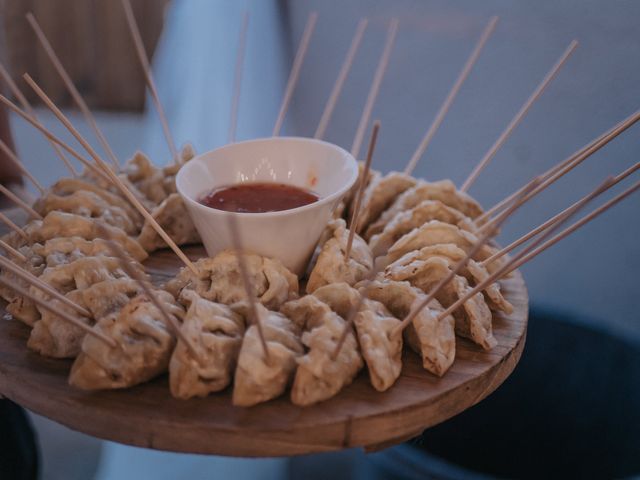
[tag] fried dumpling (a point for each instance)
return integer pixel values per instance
(144, 346)
(319, 376)
(374, 324)
(433, 340)
(379, 194)
(257, 380)
(444, 191)
(86, 204)
(148, 178)
(61, 224)
(55, 337)
(331, 267)
(216, 332)
(62, 250)
(434, 233)
(68, 186)
(173, 217)
(473, 271)
(219, 280)
(473, 319)
(407, 220)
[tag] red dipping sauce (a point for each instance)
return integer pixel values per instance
(258, 198)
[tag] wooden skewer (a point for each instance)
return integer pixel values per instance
(568, 164)
(363, 182)
(248, 286)
(556, 218)
(52, 137)
(7, 221)
(27, 108)
(146, 68)
(295, 71)
(40, 284)
(342, 77)
(466, 70)
(381, 69)
(59, 313)
(21, 203)
(237, 80)
(117, 251)
(538, 247)
(16, 161)
(112, 176)
(518, 118)
(460, 265)
(8, 248)
(73, 91)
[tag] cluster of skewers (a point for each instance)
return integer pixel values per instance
(404, 262)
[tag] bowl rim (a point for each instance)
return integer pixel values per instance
(321, 201)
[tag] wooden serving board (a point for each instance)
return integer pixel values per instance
(148, 416)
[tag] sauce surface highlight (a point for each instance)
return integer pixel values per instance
(258, 198)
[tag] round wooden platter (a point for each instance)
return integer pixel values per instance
(148, 416)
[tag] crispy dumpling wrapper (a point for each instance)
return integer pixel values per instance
(63, 250)
(433, 340)
(216, 332)
(379, 194)
(473, 319)
(473, 271)
(69, 185)
(331, 267)
(405, 221)
(444, 191)
(434, 233)
(319, 376)
(61, 224)
(173, 217)
(257, 380)
(219, 280)
(144, 346)
(86, 204)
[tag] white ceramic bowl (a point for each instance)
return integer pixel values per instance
(289, 235)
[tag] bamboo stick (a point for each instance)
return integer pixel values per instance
(73, 91)
(473, 176)
(466, 70)
(342, 77)
(295, 71)
(146, 68)
(237, 78)
(19, 202)
(20, 166)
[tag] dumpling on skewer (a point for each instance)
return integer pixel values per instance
(219, 280)
(473, 271)
(68, 186)
(331, 267)
(146, 177)
(60, 224)
(473, 319)
(319, 376)
(433, 340)
(216, 332)
(379, 194)
(344, 207)
(405, 221)
(434, 233)
(144, 340)
(257, 380)
(443, 191)
(173, 217)
(87, 204)
(77, 275)
(62, 250)
(382, 351)
(55, 337)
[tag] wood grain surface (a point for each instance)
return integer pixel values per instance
(147, 415)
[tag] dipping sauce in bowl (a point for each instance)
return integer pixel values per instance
(258, 197)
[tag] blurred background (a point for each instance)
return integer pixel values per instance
(589, 279)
